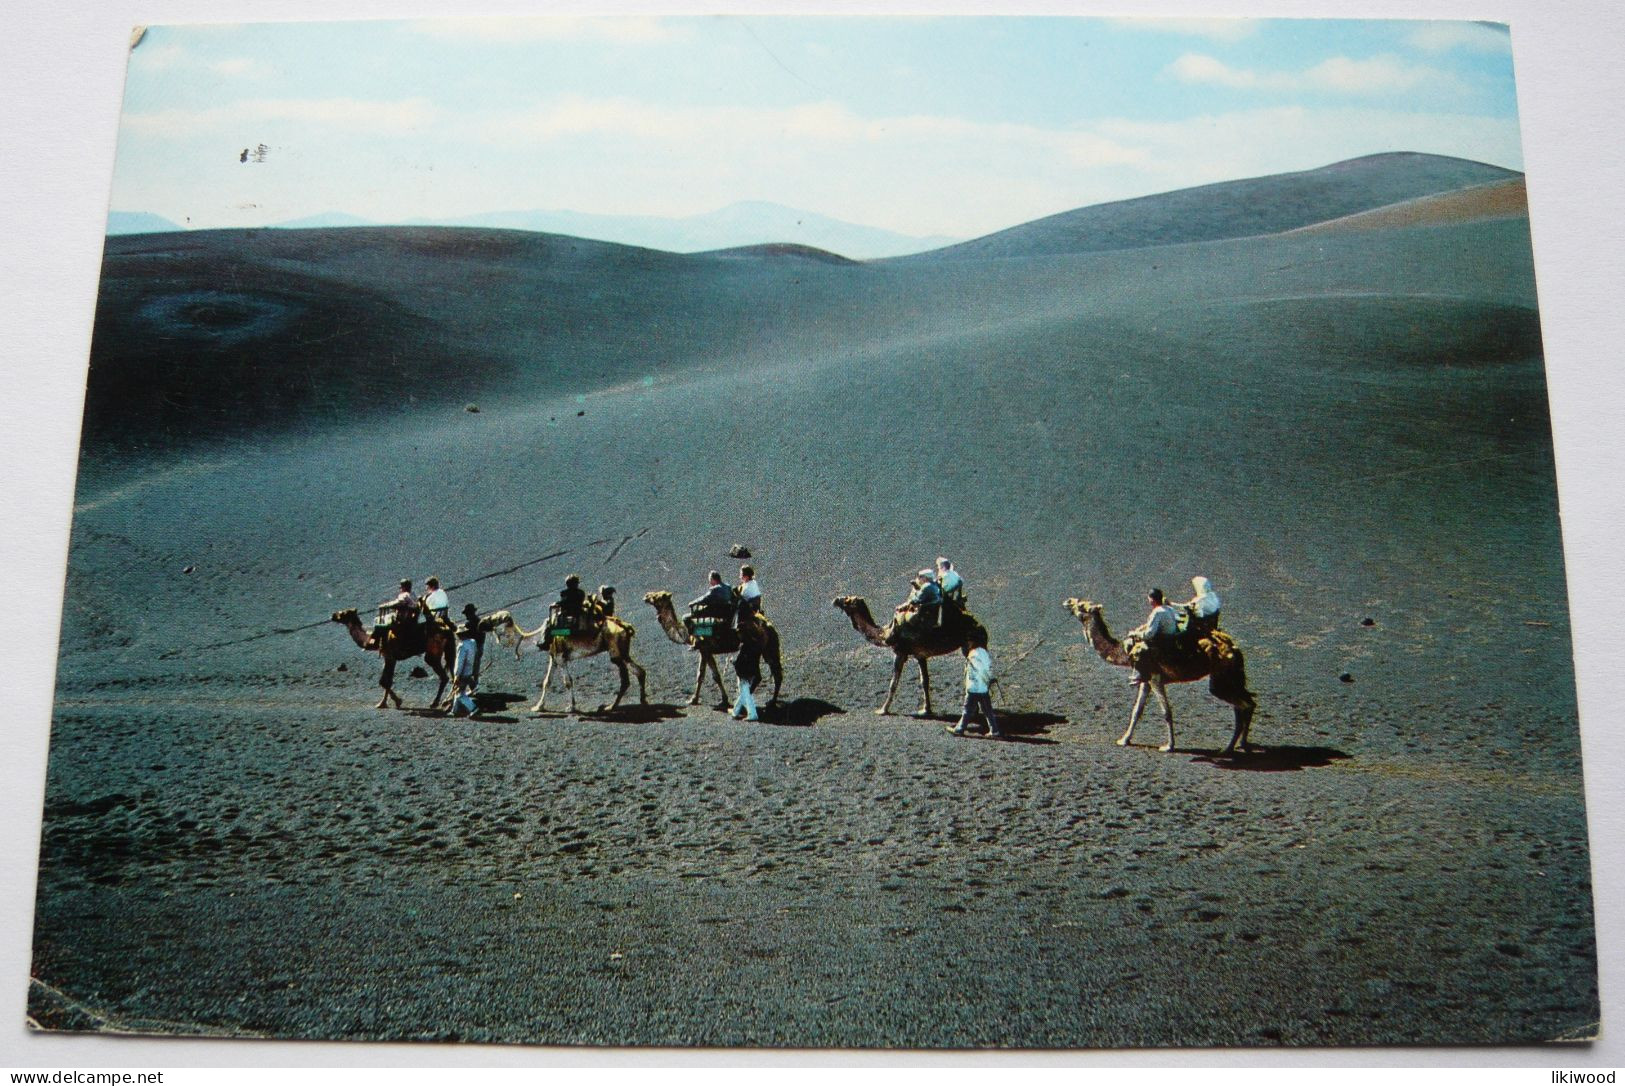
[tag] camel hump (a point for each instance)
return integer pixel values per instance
(1218, 645)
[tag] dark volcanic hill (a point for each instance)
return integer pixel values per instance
(227, 333)
(1231, 209)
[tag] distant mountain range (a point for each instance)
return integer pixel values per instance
(736, 226)
(1250, 207)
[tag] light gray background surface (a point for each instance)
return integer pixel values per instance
(61, 78)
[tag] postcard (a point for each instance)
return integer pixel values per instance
(838, 532)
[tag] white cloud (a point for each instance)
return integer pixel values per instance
(1377, 75)
(1227, 31)
(347, 114)
(621, 29)
(826, 127)
(241, 68)
(1442, 37)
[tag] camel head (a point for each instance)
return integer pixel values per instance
(657, 600)
(507, 630)
(1083, 609)
(849, 604)
(346, 616)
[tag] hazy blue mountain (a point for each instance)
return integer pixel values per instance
(324, 220)
(735, 226)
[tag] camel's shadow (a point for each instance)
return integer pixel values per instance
(1028, 727)
(484, 704)
(624, 714)
(799, 713)
(1270, 759)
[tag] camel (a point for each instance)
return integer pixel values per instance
(711, 647)
(1219, 661)
(936, 641)
(437, 647)
(613, 636)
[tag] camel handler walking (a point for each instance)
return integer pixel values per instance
(465, 673)
(748, 667)
(978, 680)
(471, 619)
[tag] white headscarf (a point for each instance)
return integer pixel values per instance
(1206, 602)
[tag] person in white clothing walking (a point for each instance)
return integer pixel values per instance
(978, 680)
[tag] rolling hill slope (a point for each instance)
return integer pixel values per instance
(1230, 209)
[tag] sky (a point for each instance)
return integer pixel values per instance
(952, 126)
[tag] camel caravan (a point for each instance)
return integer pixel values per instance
(1176, 644)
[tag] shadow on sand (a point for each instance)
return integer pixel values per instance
(484, 704)
(799, 713)
(1271, 759)
(625, 714)
(1019, 727)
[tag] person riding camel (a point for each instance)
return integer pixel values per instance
(437, 603)
(604, 600)
(714, 608)
(953, 592)
(568, 611)
(951, 583)
(1202, 611)
(748, 594)
(924, 601)
(1157, 636)
(400, 612)
(717, 600)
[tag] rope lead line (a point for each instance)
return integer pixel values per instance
(281, 632)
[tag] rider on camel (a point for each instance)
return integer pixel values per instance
(572, 601)
(924, 601)
(1202, 611)
(437, 603)
(748, 593)
(1157, 636)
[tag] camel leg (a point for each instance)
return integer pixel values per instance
(547, 682)
(925, 685)
(643, 690)
(699, 677)
(1142, 692)
(569, 683)
(722, 687)
(776, 666)
(1244, 722)
(387, 681)
(1159, 688)
(626, 682)
(891, 692)
(444, 676)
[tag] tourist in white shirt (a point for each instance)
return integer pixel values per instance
(750, 593)
(437, 603)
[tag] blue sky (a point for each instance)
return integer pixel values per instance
(951, 126)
